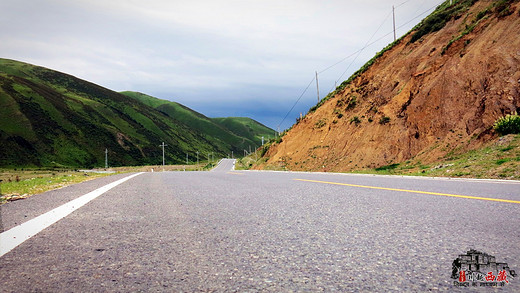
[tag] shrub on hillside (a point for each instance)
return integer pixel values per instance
(510, 124)
(320, 123)
(438, 19)
(384, 120)
(351, 103)
(387, 167)
(503, 8)
(355, 119)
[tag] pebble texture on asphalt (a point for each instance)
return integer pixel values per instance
(264, 231)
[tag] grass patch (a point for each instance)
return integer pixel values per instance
(501, 161)
(501, 8)
(387, 167)
(508, 148)
(320, 123)
(438, 19)
(510, 124)
(22, 184)
(496, 160)
(384, 120)
(256, 158)
(352, 103)
(355, 120)
(469, 28)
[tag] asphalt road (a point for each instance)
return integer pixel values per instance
(253, 231)
(224, 166)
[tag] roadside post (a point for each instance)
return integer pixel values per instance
(163, 145)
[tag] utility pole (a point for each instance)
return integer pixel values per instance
(232, 155)
(163, 145)
(186, 158)
(106, 158)
(393, 14)
(317, 87)
(197, 159)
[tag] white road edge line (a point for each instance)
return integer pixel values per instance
(17, 235)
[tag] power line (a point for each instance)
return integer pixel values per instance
(381, 25)
(420, 6)
(421, 14)
(366, 45)
(304, 91)
(397, 6)
(358, 52)
(379, 39)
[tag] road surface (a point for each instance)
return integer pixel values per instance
(250, 231)
(224, 166)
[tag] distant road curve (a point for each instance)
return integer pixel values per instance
(225, 165)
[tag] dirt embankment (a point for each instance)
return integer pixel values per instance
(423, 100)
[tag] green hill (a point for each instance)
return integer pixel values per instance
(239, 133)
(48, 118)
(246, 127)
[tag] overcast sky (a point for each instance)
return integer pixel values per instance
(221, 58)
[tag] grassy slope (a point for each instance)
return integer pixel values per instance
(237, 132)
(145, 99)
(54, 119)
(498, 159)
(246, 127)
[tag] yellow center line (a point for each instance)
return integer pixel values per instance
(234, 173)
(413, 191)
